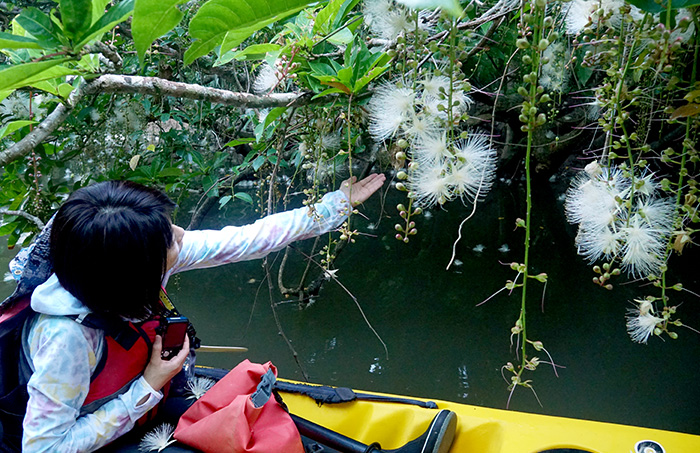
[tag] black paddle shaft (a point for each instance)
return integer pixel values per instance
(332, 439)
(436, 439)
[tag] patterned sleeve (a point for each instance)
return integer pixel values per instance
(63, 355)
(207, 248)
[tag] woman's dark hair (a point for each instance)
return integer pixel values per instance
(109, 246)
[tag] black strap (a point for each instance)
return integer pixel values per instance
(326, 394)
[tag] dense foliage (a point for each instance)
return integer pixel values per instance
(208, 99)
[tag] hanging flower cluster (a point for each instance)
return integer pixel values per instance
(441, 167)
(620, 218)
(641, 322)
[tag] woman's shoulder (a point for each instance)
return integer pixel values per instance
(63, 329)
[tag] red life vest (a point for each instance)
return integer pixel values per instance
(122, 362)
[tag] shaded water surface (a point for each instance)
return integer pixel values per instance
(439, 344)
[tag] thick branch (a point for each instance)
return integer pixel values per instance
(111, 83)
(26, 215)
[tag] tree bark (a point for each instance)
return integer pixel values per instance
(112, 83)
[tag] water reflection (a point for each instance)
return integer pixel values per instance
(440, 345)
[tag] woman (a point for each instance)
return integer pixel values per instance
(112, 246)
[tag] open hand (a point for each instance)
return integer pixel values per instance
(159, 372)
(358, 191)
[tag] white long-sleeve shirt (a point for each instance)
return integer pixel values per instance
(63, 354)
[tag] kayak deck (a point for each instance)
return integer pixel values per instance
(480, 429)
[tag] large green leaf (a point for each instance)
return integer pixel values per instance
(20, 75)
(152, 19)
(116, 14)
(76, 16)
(10, 41)
(450, 6)
(229, 22)
(98, 9)
(39, 25)
(12, 126)
(326, 16)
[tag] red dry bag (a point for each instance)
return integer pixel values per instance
(238, 415)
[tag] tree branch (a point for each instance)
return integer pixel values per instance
(112, 83)
(26, 215)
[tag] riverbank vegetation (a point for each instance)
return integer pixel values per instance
(268, 104)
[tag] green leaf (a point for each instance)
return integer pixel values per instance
(39, 25)
(10, 41)
(229, 22)
(98, 9)
(342, 37)
(116, 14)
(344, 10)
(367, 78)
(273, 115)
(244, 196)
(153, 19)
(328, 91)
(320, 68)
(223, 200)
(449, 6)
(256, 51)
(64, 90)
(345, 76)
(240, 141)
(326, 15)
(76, 16)
(258, 162)
(24, 74)
(13, 126)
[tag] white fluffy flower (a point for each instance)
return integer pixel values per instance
(582, 12)
(266, 80)
(197, 386)
(641, 321)
(644, 248)
(389, 108)
(555, 76)
(430, 186)
(474, 168)
(433, 85)
(592, 202)
(386, 20)
(158, 439)
(430, 149)
(460, 104)
(595, 244)
(620, 220)
(420, 126)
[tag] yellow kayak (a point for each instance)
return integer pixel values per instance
(484, 430)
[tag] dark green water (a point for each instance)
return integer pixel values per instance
(440, 345)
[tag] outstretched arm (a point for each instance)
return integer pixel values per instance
(359, 191)
(208, 248)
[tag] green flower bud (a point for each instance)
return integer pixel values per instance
(522, 44)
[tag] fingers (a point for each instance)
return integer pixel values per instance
(184, 352)
(157, 346)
